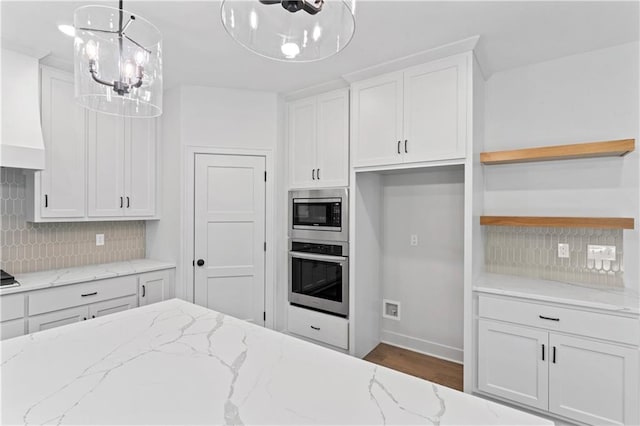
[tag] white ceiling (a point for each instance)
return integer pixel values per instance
(197, 50)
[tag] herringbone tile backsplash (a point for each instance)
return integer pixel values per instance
(533, 252)
(30, 247)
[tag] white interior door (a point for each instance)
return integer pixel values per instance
(229, 225)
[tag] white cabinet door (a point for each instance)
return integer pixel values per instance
(513, 363)
(376, 118)
(332, 145)
(155, 287)
(58, 318)
(105, 165)
(13, 328)
(112, 306)
(302, 143)
(140, 167)
(435, 110)
(593, 382)
(63, 180)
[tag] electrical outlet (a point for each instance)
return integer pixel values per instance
(597, 252)
(414, 240)
(99, 239)
(563, 250)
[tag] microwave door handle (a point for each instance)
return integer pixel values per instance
(312, 256)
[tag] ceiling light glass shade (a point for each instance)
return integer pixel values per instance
(128, 66)
(272, 31)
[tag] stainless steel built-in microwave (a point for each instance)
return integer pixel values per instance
(319, 214)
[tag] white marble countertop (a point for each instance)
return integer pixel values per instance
(58, 277)
(177, 363)
(610, 299)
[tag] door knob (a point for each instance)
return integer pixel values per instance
(200, 262)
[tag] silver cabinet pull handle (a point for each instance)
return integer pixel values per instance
(318, 173)
(316, 328)
(46, 200)
(89, 294)
(144, 290)
(543, 351)
(121, 202)
(313, 174)
(406, 151)
(399, 142)
(128, 203)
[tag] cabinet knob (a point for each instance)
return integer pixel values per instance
(84, 319)
(200, 262)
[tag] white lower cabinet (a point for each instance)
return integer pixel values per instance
(155, 287)
(58, 318)
(550, 367)
(593, 382)
(512, 363)
(324, 328)
(107, 307)
(12, 322)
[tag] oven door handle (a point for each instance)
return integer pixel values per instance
(313, 256)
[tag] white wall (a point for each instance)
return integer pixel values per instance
(427, 279)
(580, 98)
(213, 118)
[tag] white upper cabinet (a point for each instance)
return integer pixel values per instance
(106, 165)
(435, 111)
(376, 112)
(318, 138)
(302, 143)
(98, 166)
(412, 116)
(332, 145)
(62, 182)
(140, 167)
(122, 166)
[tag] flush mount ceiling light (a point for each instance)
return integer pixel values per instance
(298, 31)
(117, 62)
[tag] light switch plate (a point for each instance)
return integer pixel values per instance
(563, 250)
(99, 239)
(414, 240)
(598, 252)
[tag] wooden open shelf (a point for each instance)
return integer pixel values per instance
(618, 148)
(561, 222)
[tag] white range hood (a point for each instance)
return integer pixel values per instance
(21, 143)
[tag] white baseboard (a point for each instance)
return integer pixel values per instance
(425, 347)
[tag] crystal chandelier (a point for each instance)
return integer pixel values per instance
(299, 31)
(117, 62)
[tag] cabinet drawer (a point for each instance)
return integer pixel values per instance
(13, 328)
(11, 307)
(318, 326)
(82, 294)
(591, 324)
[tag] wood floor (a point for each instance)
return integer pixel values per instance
(435, 370)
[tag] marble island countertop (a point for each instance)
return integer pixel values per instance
(623, 300)
(59, 277)
(178, 363)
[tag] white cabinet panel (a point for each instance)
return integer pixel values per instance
(112, 306)
(376, 119)
(140, 167)
(593, 382)
(302, 143)
(13, 328)
(105, 165)
(332, 146)
(62, 182)
(513, 363)
(58, 318)
(11, 307)
(155, 287)
(435, 111)
(318, 326)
